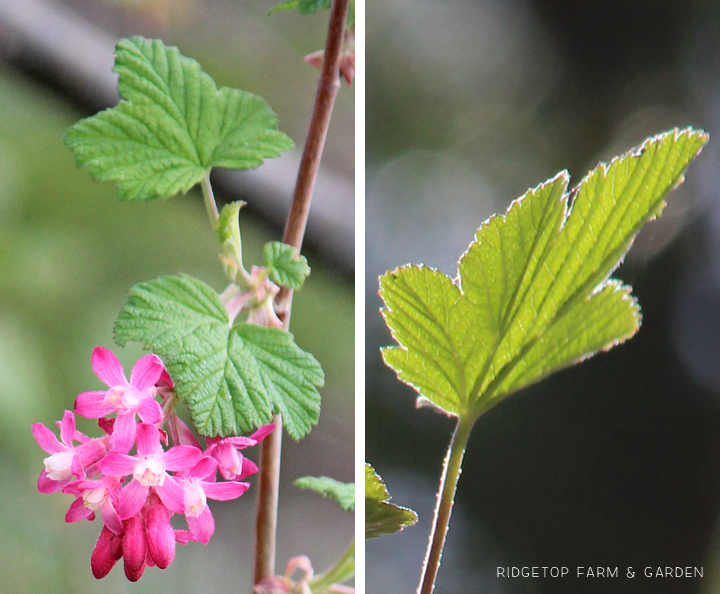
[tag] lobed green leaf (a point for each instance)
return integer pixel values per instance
(343, 493)
(286, 267)
(532, 294)
(172, 126)
(381, 516)
(232, 378)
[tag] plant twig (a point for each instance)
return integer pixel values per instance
(446, 496)
(328, 86)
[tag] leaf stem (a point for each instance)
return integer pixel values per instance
(209, 199)
(342, 571)
(446, 495)
(328, 86)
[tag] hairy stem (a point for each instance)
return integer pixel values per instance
(328, 85)
(443, 509)
(209, 199)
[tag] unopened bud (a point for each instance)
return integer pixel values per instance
(160, 535)
(106, 553)
(134, 548)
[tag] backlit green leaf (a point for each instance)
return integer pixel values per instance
(172, 126)
(232, 379)
(532, 294)
(381, 516)
(343, 493)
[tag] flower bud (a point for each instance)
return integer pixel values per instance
(160, 535)
(134, 548)
(106, 553)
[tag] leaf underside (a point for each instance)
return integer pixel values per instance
(533, 293)
(381, 516)
(343, 493)
(172, 126)
(232, 379)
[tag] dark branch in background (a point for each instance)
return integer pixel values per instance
(328, 86)
(54, 43)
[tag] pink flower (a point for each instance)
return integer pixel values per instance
(232, 465)
(149, 470)
(199, 485)
(93, 496)
(66, 460)
(126, 398)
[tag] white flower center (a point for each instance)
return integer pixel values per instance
(59, 466)
(195, 500)
(150, 472)
(94, 498)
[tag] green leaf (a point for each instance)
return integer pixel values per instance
(228, 232)
(286, 267)
(313, 6)
(285, 5)
(172, 126)
(232, 379)
(532, 294)
(343, 493)
(381, 516)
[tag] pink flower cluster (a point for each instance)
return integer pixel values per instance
(137, 495)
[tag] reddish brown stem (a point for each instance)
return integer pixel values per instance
(328, 86)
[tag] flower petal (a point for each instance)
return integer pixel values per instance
(117, 464)
(110, 517)
(263, 432)
(165, 380)
(78, 511)
(46, 439)
(240, 442)
(67, 428)
(224, 491)
(228, 459)
(172, 495)
(92, 405)
(203, 526)
(180, 432)
(108, 368)
(181, 458)
(150, 411)
(47, 485)
(91, 452)
(248, 469)
(203, 469)
(132, 497)
(122, 438)
(148, 440)
(147, 372)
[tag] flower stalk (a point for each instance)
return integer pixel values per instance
(328, 86)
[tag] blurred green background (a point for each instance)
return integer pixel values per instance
(615, 462)
(69, 252)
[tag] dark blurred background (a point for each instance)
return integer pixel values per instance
(615, 462)
(69, 252)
